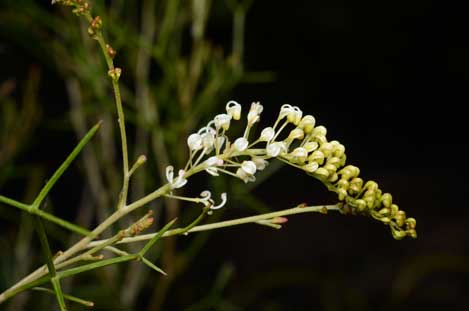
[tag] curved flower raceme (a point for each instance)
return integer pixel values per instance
(297, 140)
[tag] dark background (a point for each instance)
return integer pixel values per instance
(389, 80)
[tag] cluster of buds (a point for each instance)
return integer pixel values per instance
(80, 7)
(304, 146)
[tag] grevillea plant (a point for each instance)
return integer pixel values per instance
(293, 138)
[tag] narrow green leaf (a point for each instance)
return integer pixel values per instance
(44, 215)
(95, 265)
(86, 303)
(156, 238)
(50, 263)
(58, 173)
(153, 266)
(59, 294)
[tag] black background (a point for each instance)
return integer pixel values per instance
(389, 80)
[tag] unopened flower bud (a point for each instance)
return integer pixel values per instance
(110, 51)
(275, 149)
(194, 142)
(334, 161)
(311, 146)
(411, 223)
(326, 149)
(296, 134)
(115, 73)
(299, 154)
(361, 205)
(321, 173)
(342, 194)
(355, 185)
(222, 121)
(386, 199)
(316, 156)
(319, 131)
(254, 113)
(240, 144)
(267, 134)
(311, 167)
(307, 124)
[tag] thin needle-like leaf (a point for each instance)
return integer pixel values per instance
(86, 303)
(156, 238)
(58, 173)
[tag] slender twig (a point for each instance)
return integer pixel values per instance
(228, 223)
(120, 113)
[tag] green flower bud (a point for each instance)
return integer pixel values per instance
(311, 146)
(296, 134)
(342, 194)
(400, 218)
(385, 220)
(343, 184)
(412, 233)
(311, 167)
(386, 199)
(316, 156)
(307, 123)
(411, 223)
(327, 149)
(356, 185)
(319, 131)
(333, 178)
(361, 205)
(398, 234)
(330, 168)
(321, 173)
(334, 161)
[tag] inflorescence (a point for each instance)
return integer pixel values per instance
(296, 140)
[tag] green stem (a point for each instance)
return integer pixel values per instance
(228, 223)
(120, 114)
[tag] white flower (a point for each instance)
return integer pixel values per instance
(223, 202)
(214, 161)
(249, 167)
(295, 115)
(211, 164)
(267, 134)
(260, 163)
(275, 149)
(292, 113)
(177, 182)
(208, 140)
(233, 109)
(254, 113)
(222, 121)
(240, 144)
(194, 141)
(285, 110)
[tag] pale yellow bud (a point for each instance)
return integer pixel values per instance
(307, 123)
